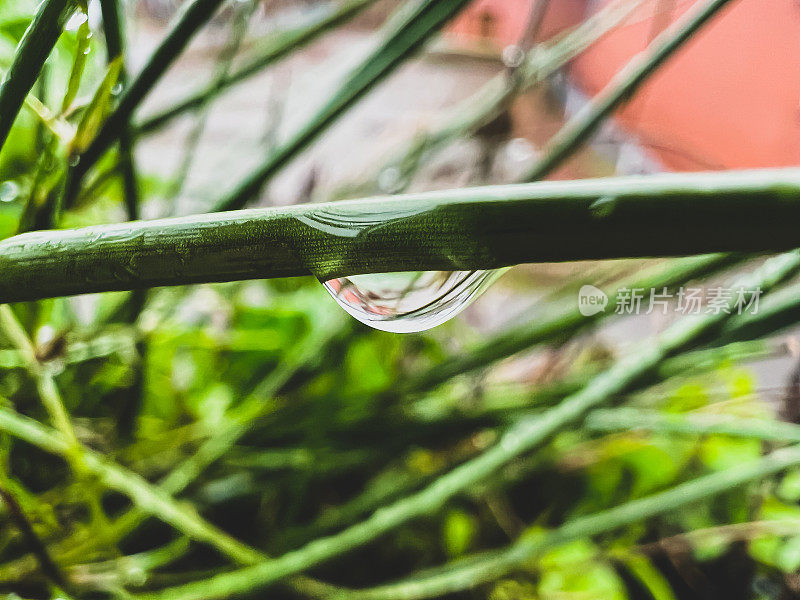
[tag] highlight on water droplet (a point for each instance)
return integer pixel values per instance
(410, 301)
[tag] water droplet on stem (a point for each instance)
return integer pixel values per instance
(411, 301)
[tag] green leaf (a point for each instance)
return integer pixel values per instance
(97, 110)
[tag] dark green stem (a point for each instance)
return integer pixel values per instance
(115, 46)
(479, 228)
(191, 19)
(33, 50)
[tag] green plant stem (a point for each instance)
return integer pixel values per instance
(191, 19)
(400, 41)
(519, 439)
(622, 87)
(562, 325)
(626, 418)
(491, 99)
(46, 563)
(144, 496)
(115, 45)
(277, 47)
(33, 50)
(479, 228)
(475, 570)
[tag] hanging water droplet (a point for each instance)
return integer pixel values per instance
(403, 302)
(116, 90)
(74, 160)
(9, 191)
(411, 301)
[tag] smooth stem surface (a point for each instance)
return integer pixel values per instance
(33, 50)
(522, 437)
(479, 228)
(622, 87)
(488, 567)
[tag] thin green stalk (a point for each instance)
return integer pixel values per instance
(192, 18)
(622, 87)
(626, 419)
(490, 100)
(38, 548)
(115, 45)
(277, 47)
(490, 566)
(33, 50)
(519, 439)
(400, 42)
(224, 61)
(144, 496)
(479, 228)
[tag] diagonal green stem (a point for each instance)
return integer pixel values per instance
(279, 46)
(479, 228)
(33, 50)
(622, 87)
(399, 43)
(191, 19)
(475, 570)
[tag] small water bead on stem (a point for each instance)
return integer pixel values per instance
(408, 302)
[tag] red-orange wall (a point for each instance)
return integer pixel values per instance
(729, 99)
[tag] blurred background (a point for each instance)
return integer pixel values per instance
(286, 420)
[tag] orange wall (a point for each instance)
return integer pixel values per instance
(729, 99)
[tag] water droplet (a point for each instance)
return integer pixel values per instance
(389, 180)
(117, 89)
(76, 20)
(513, 56)
(74, 160)
(9, 191)
(87, 50)
(410, 301)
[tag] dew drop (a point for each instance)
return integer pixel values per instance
(9, 191)
(411, 301)
(76, 20)
(513, 56)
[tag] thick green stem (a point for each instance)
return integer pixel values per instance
(522, 437)
(480, 228)
(33, 50)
